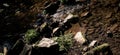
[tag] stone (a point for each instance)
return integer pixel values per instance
(85, 49)
(26, 50)
(92, 43)
(69, 17)
(5, 50)
(52, 7)
(1, 54)
(55, 29)
(97, 49)
(43, 26)
(46, 42)
(80, 38)
(84, 14)
(6, 5)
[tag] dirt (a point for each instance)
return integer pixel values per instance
(104, 18)
(101, 22)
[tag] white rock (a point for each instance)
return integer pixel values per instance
(92, 43)
(85, 48)
(80, 38)
(46, 42)
(55, 29)
(1, 54)
(68, 17)
(84, 14)
(6, 5)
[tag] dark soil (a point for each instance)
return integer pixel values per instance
(102, 23)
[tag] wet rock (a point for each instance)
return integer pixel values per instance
(46, 42)
(92, 43)
(80, 38)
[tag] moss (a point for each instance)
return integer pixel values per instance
(65, 42)
(30, 35)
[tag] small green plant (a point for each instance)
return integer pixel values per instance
(30, 35)
(65, 42)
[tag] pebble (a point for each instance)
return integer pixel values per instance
(80, 38)
(92, 43)
(6, 5)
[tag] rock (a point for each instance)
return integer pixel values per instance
(1, 54)
(55, 29)
(6, 5)
(80, 38)
(46, 42)
(92, 43)
(43, 26)
(85, 49)
(26, 50)
(97, 49)
(84, 14)
(6, 48)
(69, 17)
